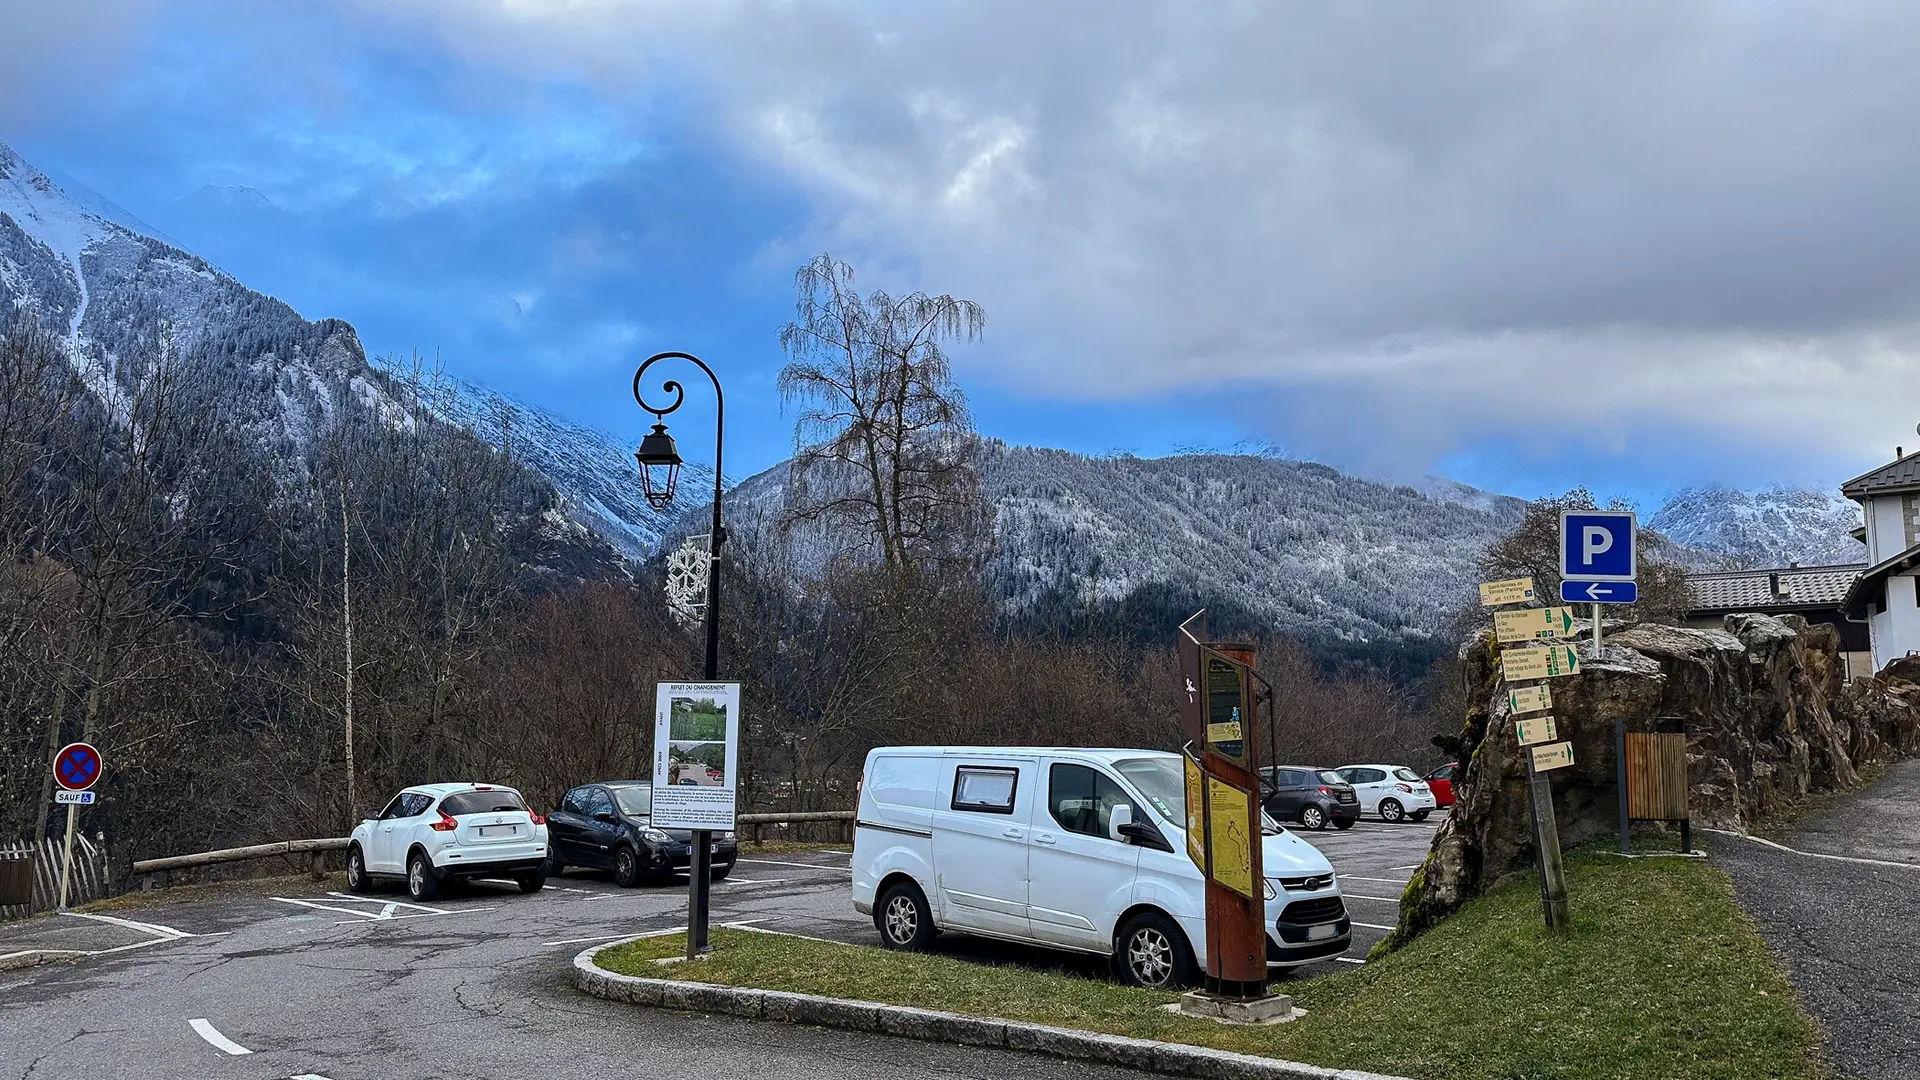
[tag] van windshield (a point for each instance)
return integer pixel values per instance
(1163, 783)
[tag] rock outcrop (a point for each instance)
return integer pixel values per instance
(1768, 716)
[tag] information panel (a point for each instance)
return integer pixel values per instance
(696, 755)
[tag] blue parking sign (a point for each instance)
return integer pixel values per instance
(1598, 545)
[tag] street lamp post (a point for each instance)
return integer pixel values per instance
(660, 464)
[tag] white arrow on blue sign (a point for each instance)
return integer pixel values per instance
(1598, 545)
(1599, 592)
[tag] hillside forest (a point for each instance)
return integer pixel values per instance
(265, 645)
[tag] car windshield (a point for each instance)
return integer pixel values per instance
(634, 801)
(1161, 781)
(1404, 773)
(1329, 777)
(1164, 784)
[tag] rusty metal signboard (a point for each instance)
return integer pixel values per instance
(1217, 713)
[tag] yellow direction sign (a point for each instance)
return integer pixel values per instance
(1552, 756)
(1548, 663)
(1232, 836)
(1196, 814)
(1537, 730)
(1526, 699)
(1511, 591)
(1528, 624)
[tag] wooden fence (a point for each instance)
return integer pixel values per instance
(91, 879)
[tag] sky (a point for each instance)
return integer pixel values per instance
(1529, 246)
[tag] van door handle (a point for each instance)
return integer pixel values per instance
(1011, 833)
(1043, 838)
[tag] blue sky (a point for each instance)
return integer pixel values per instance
(1467, 246)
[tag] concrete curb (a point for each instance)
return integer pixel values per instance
(34, 957)
(1170, 1059)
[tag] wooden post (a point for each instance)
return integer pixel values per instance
(1546, 844)
(317, 863)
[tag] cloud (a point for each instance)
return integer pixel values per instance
(1678, 218)
(54, 52)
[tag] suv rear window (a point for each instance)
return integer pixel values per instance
(482, 802)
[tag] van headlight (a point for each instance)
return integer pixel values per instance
(1268, 882)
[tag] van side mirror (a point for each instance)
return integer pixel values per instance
(1118, 819)
(1145, 834)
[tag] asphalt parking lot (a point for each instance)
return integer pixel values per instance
(318, 983)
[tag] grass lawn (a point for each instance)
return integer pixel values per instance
(1662, 977)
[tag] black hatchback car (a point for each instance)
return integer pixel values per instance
(606, 826)
(1311, 796)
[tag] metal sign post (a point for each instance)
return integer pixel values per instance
(76, 769)
(1600, 564)
(696, 769)
(1217, 712)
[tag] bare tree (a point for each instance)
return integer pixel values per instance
(1532, 549)
(884, 446)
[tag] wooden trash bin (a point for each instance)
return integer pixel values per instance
(16, 878)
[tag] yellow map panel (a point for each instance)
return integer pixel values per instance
(1233, 836)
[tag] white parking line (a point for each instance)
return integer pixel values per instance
(219, 1042)
(1382, 880)
(1375, 926)
(165, 933)
(801, 865)
(1382, 899)
(309, 1076)
(1341, 959)
(1415, 866)
(584, 940)
(1816, 854)
(752, 881)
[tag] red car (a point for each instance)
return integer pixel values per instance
(1440, 781)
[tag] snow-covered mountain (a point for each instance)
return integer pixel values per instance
(594, 473)
(1292, 545)
(1767, 528)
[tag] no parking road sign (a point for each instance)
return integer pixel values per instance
(78, 767)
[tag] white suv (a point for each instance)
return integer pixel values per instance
(1395, 792)
(434, 832)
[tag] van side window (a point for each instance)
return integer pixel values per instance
(1081, 799)
(984, 790)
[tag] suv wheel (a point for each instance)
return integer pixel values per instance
(1392, 811)
(1312, 817)
(1420, 815)
(421, 882)
(903, 918)
(358, 880)
(1153, 953)
(533, 881)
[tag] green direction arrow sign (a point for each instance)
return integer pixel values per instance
(1532, 624)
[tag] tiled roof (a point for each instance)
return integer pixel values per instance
(1902, 475)
(1866, 589)
(1752, 590)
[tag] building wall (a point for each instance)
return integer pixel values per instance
(1887, 526)
(1896, 631)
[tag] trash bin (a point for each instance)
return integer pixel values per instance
(16, 878)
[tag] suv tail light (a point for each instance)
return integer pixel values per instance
(538, 819)
(445, 824)
(1404, 788)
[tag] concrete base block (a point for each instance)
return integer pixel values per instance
(1272, 1009)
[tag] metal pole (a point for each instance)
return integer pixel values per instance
(1620, 780)
(66, 863)
(699, 873)
(1596, 630)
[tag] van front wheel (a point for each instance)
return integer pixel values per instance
(903, 918)
(1154, 953)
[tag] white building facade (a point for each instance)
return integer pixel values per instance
(1885, 595)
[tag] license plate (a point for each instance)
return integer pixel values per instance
(498, 830)
(1321, 932)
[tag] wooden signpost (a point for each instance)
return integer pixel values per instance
(1534, 735)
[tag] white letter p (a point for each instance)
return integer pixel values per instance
(1594, 540)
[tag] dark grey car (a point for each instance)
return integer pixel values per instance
(1312, 796)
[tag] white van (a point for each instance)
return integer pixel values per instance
(1071, 849)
